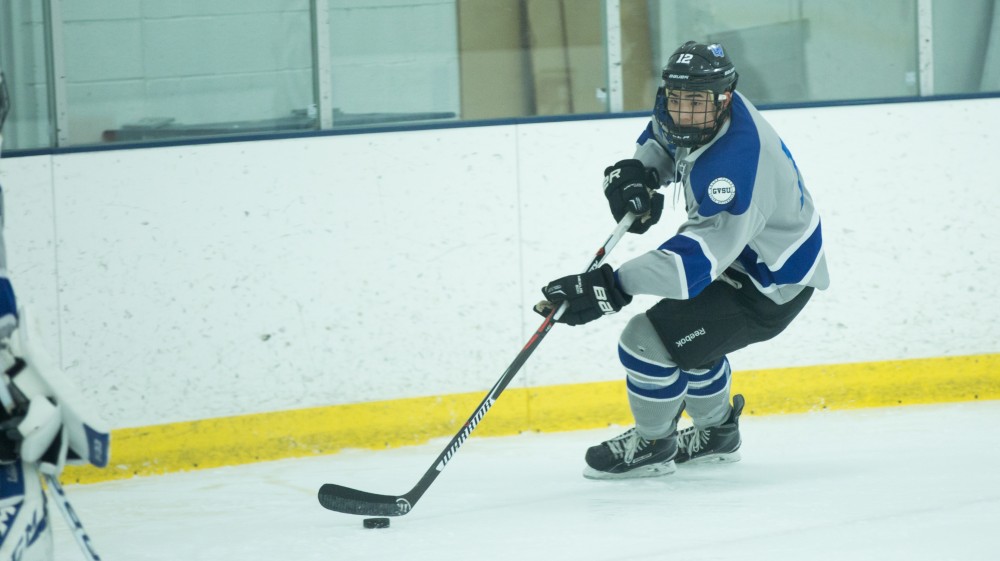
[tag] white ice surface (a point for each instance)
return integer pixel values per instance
(909, 483)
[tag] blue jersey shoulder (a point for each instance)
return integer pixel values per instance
(722, 178)
(646, 135)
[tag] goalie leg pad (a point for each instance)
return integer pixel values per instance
(87, 435)
(25, 532)
(39, 428)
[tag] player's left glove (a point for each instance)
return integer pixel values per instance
(590, 296)
(630, 186)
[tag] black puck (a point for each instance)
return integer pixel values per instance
(376, 523)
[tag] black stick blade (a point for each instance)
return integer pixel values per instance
(352, 501)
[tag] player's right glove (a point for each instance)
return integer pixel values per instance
(590, 296)
(630, 186)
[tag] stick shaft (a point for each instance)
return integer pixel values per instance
(72, 520)
(352, 501)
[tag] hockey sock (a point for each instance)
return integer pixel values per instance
(656, 386)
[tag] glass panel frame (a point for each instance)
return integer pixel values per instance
(24, 60)
(98, 73)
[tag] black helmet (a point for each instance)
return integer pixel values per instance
(695, 67)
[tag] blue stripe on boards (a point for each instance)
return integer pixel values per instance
(697, 267)
(795, 268)
(435, 125)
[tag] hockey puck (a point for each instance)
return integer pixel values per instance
(376, 523)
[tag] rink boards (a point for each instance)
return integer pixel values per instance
(385, 424)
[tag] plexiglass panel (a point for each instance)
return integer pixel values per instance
(149, 70)
(153, 70)
(23, 60)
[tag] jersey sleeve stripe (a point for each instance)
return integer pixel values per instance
(696, 267)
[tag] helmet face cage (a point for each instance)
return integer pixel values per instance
(703, 114)
(709, 78)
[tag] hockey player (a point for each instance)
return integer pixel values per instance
(44, 423)
(738, 270)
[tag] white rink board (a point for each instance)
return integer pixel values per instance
(191, 282)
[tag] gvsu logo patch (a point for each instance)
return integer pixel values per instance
(722, 191)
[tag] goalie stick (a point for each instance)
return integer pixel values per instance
(352, 501)
(72, 520)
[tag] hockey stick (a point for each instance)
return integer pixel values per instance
(352, 501)
(72, 520)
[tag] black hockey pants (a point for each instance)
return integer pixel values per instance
(720, 320)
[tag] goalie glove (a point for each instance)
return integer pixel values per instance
(48, 421)
(589, 296)
(31, 431)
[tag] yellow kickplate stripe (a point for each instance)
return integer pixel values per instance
(245, 439)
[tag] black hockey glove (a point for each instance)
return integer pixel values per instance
(10, 437)
(631, 187)
(590, 296)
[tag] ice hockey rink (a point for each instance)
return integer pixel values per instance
(904, 483)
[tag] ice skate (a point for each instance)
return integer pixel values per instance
(719, 444)
(629, 455)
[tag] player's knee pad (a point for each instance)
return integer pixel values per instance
(640, 338)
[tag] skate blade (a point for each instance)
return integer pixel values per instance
(717, 459)
(652, 470)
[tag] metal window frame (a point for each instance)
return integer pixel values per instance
(925, 47)
(613, 55)
(55, 63)
(322, 74)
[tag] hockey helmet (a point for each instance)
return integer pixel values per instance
(695, 67)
